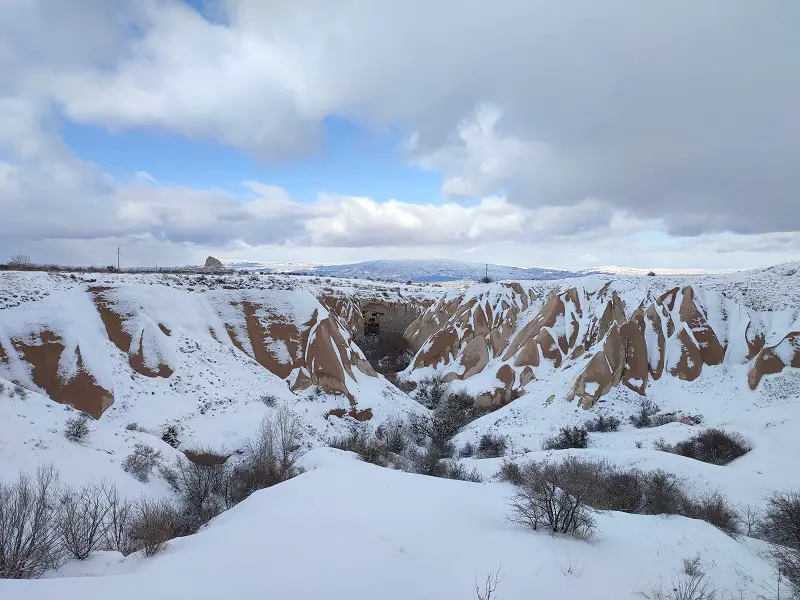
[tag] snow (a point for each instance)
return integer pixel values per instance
(401, 536)
(346, 529)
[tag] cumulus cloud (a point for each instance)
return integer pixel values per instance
(566, 118)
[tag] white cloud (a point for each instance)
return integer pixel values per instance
(582, 128)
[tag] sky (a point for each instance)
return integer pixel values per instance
(660, 134)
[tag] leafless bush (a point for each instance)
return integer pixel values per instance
(467, 450)
(77, 428)
(431, 391)
(141, 461)
(29, 541)
(714, 446)
(692, 584)
(602, 424)
(489, 587)
(201, 491)
(662, 494)
(153, 525)
(269, 458)
(781, 520)
(19, 260)
(118, 517)
(492, 446)
(82, 520)
(644, 417)
(270, 400)
(132, 426)
(780, 525)
(452, 413)
(714, 508)
(171, 435)
(567, 437)
(510, 472)
(548, 497)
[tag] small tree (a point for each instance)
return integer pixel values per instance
(548, 497)
(29, 543)
(141, 461)
(77, 428)
(568, 437)
(153, 525)
(82, 520)
(118, 518)
(20, 261)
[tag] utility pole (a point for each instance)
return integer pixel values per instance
(117, 258)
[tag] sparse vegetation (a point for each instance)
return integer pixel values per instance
(153, 525)
(29, 542)
(780, 525)
(714, 508)
(644, 417)
(549, 497)
(170, 435)
(567, 437)
(602, 424)
(492, 445)
(270, 400)
(19, 261)
(81, 521)
(431, 391)
(714, 446)
(141, 462)
(691, 584)
(76, 428)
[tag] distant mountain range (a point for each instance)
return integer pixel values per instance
(435, 270)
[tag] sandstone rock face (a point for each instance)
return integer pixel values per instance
(607, 334)
(71, 351)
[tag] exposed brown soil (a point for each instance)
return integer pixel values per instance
(114, 324)
(205, 459)
(82, 391)
(163, 328)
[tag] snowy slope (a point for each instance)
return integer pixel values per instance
(402, 536)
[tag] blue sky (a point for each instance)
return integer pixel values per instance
(352, 160)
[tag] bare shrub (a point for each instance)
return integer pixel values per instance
(602, 424)
(692, 584)
(395, 436)
(141, 461)
(780, 523)
(510, 472)
(455, 470)
(19, 261)
(153, 525)
(644, 417)
(29, 542)
(82, 520)
(117, 525)
(714, 446)
(452, 413)
(270, 458)
(467, 450)
(171, 435)
(489, 587)
(270, 400)
(492, 446)
(77, 428)
(431, 391)
(549, 498)
(132, 426)
(201, 490)
(714, 508)
(567, 437)
(662, 494)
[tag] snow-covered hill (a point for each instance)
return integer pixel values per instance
(210, 356)
(348, 530)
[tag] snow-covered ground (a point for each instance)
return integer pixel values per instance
(346, 530)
